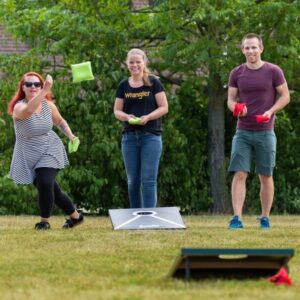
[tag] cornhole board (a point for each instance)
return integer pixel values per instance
(230, 263)
(146, 218)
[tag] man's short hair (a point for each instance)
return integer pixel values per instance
(251, 36)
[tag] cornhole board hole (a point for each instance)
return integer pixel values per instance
(146, 218)
(82, 72)
(230, 263)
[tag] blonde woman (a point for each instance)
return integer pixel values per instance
(140, 103)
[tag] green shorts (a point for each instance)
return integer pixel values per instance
(261, 143)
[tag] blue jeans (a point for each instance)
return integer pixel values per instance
(141, 153)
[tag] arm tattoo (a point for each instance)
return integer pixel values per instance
(62, 126)
(65, 129)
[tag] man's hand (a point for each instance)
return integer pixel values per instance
(240, 110)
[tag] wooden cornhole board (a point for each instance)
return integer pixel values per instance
(230, 263)
(146, 218)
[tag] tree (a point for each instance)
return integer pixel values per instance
(192, 47)
(199, 43)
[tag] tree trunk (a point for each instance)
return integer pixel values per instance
(216, 148)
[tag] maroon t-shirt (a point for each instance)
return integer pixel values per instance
(257, 89)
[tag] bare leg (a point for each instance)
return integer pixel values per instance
(266, 194)
(238, 192)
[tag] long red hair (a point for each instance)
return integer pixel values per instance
(19, 95)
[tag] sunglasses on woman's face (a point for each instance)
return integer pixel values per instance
(36, 84)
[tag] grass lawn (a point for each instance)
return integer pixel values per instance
(94, 262)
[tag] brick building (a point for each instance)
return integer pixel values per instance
(10, 45)
(138, 4)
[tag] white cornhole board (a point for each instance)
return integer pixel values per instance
(146, 218)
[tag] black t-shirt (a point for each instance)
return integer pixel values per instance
(139, 102)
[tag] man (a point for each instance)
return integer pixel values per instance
(261, 89)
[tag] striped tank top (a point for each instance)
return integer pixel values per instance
(36, 146)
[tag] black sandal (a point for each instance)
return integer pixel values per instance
(73, 222)
(43, 225)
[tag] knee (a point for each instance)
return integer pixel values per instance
(148, 182)
(240, 176)
(44, 184)
(265, 179)
(134, 181)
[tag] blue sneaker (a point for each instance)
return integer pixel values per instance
(264, 222)
(235, 223)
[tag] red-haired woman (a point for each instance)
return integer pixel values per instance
(39, 153)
